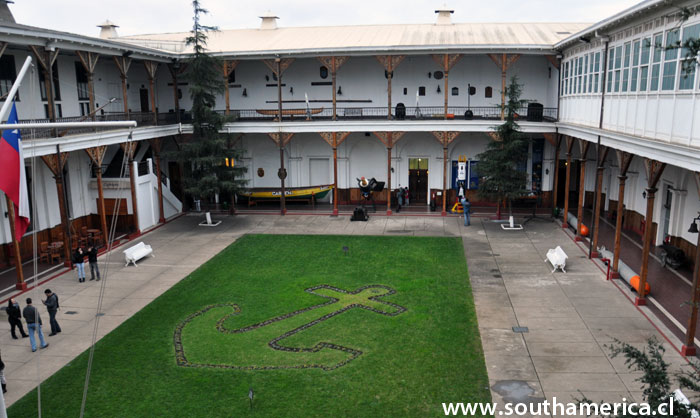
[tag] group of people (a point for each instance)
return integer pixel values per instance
(79, 261)
(401, 198)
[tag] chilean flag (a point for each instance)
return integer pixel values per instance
(13, 180)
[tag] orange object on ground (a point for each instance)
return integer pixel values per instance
(584, 230)
(634, 282)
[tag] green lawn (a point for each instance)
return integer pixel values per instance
(387, 330)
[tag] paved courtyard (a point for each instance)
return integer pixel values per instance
(570, 316)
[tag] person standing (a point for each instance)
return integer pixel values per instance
(31, 315)
(14, 316)
(467, 208)
(51, 303)
(92, 259)
(79, 261)
(2, 376)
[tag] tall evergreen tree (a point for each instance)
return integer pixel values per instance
(212, 165)
(501, 178)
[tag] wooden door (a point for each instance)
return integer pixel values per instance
(418, 186)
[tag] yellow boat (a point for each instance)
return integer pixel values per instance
(317, 192)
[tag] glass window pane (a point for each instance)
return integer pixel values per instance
(635, 53)
(654, 78)
(597, 62)
(658, 47)
(671, 40)
(625, 79)
(646, 50)
(611, 58)
(617, 80)
(669, 78)
(687, 80)
(628, 51)
(644, 74)
(595, 88)
(610, 81)
(633, 80)
(618, 57)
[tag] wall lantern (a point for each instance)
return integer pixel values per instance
(694, 226)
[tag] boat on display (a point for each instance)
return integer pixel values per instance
(309, 192)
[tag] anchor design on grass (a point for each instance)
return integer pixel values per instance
(193, 335)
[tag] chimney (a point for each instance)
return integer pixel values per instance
(5, 13)
(269, 20)
(108, 30)
(444, 16)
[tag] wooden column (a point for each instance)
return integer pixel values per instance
(281, 140)
(446, 62)
(555, 189)
(156, 144)
(569, 146)
(624, 160)
(390, 62)
(333, 63)
(46, 60)
(89, 61)
(151, 70)
(503, 61)
(175, 70)
(123, 64)
(129, 149)
(96, 155)
(654, 169)
(689, 348)
(20, 285)
(445, 138)
(389, 139)
(583, 147)
(229, 66)
(56, 163)
(278, 66)
(334, 139)
(602, 155)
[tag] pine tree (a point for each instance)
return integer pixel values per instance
(501, 178)
(211, 163)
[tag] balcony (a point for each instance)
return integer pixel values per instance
(530, 114)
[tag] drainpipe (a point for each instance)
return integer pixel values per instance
(597, 150)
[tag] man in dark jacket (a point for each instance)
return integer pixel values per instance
(92, 258)
(31, 315)
(14, 315)
(51, 303)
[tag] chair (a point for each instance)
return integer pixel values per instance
(44, 251)
(55, 254)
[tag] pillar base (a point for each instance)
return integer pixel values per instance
(614, 275)
(23, 286)
(444, 213)
(68, 264)
(283, 212)
(161, 220)
(688, 351)
(564, 225)
(388, 212)
(594, 254)
(335, 212)
(578, 238)
(640, 301)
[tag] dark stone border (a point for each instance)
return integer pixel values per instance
(183, 362)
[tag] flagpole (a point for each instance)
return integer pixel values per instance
(15, 86)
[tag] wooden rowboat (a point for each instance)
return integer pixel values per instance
(289, 112)
(318, 192)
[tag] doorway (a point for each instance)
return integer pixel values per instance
(143, 95)
(668, 200)
(418, 180)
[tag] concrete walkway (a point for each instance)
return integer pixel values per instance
(570, 316)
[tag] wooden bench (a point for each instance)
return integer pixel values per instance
(137, 252)
(558, 258)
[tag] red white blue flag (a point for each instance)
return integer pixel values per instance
(13, 179)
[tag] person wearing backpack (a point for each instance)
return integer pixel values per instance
(51, 303)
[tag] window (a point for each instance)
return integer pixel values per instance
(56, 88)
(590, 70)
(626, 66)
(579, 73)
(618, 66)
(421, 91)
(8, 73)
(687, 78)
(644, 64)
(586, 89)
(635, 66)
(597, 73)
(405, 91)
(611, 65)
(455, 91)
(488, 92)
(81, 79)
(655, 68)
(57, 114)
(323, 72)
(670, 61)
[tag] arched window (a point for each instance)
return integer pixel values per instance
(488, 91)
(323, 72)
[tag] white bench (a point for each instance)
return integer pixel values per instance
(558, 258)
(137, 252)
